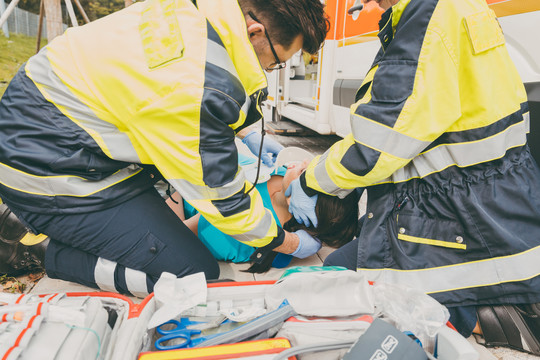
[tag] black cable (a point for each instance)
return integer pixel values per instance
(260, 155)
(168, 192)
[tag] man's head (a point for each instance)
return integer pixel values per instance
(286, 26)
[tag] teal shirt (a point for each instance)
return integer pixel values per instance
(223, 246)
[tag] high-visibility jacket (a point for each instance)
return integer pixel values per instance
(439, 141)
(159, 88)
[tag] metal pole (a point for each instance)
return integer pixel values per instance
(5, 26)
(40, 25)
(8, 11)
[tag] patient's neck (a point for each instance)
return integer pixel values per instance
(278, 199)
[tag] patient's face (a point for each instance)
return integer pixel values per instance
(293, 171)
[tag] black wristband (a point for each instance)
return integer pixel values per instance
(261, 253)
(309, 191)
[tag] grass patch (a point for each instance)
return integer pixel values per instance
(11, 284)
(14, 51)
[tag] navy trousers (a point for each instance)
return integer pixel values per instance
(124, 248)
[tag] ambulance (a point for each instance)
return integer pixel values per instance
(316, 92)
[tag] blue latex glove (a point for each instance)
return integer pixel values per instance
(308, 245)
(302, 206)
(270, 149)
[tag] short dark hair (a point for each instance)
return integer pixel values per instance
(286, 19)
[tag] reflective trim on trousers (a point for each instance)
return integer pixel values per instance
(104, 274)
(136, 282)
(504, 269)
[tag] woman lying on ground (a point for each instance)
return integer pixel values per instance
(338, 220)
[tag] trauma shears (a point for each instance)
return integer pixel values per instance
(183, 329)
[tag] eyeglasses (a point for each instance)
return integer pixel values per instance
(278, 64)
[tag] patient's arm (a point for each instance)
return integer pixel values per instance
(178, 208)
(176, 205)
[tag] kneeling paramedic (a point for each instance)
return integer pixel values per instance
(439, 142)
(159, 89)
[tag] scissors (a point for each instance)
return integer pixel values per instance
(180, 331)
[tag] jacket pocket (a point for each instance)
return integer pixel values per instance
(143, 252)
(432, 232)
(484, 31)
(393, 81)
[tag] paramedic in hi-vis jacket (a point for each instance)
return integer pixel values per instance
(439, 142)
(157, 90)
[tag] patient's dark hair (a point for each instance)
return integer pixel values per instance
(337, 220)
(337, 225)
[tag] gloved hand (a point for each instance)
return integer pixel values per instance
(307, 246)
(302, 206)
(270, 149)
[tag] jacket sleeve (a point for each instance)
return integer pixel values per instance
(197, 154)
(405, 105)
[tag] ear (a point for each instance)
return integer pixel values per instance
(255, 29)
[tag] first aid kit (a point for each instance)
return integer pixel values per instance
(304, 315)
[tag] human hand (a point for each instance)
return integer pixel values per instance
(270, 150)
(307, 245)
(302, 206)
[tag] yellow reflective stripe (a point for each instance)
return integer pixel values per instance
(463, 154)
(504, 269)
(255, 237)
(65, 185)
(433, 242)
(218, 56)
(194, 192)
(323, 179)
(114, 143)
(237, 225)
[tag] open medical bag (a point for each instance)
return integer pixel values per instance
(101, 325)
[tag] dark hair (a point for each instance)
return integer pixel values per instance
(338, 220)
(338, 224)
(286, 19)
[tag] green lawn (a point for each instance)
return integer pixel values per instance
(13, 53)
